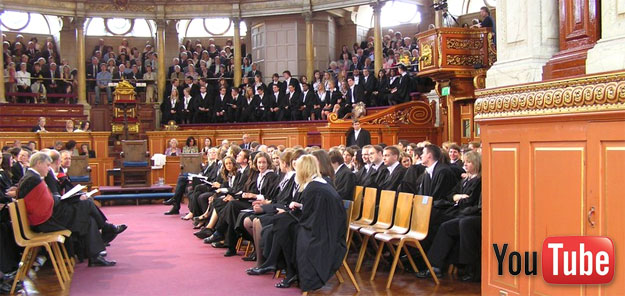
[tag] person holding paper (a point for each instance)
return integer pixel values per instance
(45, 213)
(261, 181)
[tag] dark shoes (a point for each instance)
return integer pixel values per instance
(219, 245)
(261, 270)
(426, 273)
(204, 233)
(230, 252)
(173, 211)
(100, 261)
(169, 202)
(287, 282)
(251, 257)
(216, 237)
(116, 230)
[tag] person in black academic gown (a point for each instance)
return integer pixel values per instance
(391, 177)
(48, 213)
(344, 178)
(357, 135)
(319, 237)
(9, 250)
(222, 107)
(170, 108)
(248, 106)
(20, 167)
(261, 181)
(464, 214)
(204, 106)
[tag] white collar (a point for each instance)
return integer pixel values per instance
(339, 167)
(392, 167)
(430, 169)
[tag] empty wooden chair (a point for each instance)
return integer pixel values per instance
(402, 211)
(31, 247)
(368, 213)
(80, 171)
(191, 163)
(355, 212)
(384, 220)
(419, 223)
(135, 168)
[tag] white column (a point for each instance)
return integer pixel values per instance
(527, 36)
(609, 52)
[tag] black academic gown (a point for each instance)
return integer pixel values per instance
(167, 107)
(345, 182)
(17, 172)
(320, 243)
(9, 250)
(392, 181)
(412, 179)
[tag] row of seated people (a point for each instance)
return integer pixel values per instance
(279, 101)
(41, 180)
(243, 193)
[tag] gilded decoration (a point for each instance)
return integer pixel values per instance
(118, 128)
(465, 44)
(586, 94)
(426, 54)
(411, 113)
(463, 60)
(125, 88)
(492, 50)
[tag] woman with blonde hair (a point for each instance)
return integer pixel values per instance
(173, 149)
(319, 246)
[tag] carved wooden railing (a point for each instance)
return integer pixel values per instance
(412, 121)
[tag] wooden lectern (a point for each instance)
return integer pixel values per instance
(457, 58)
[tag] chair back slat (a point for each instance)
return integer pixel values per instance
(368, 205)
(15, 223)
(385, 211)
(357, 205)
(403, 209)
(23, 218)
(422, 207)
(349, 207)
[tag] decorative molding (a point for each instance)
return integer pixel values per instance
(411, 113)
(594, 93)
(426, 54)
(463, 60)
(470, 44)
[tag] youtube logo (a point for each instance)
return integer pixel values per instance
(578, 260)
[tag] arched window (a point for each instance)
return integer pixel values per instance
(26, 22)
(396, 13)
(120, 27)
(208, 27)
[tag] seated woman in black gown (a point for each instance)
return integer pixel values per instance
(225, 182)
(260, 183)
(465, 213)
(265, 211)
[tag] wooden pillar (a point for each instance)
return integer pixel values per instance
(161, 72)
(79, 22)
(377, 36)
(310, 54)
(237, 51)
(2, 94)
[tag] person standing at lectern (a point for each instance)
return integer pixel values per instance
(357, 135)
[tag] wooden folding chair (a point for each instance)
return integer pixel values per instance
(421, 209)
(384, 221)
(349, 207)
(31, 247)
(400, 222)
(355, 212)
(29, 234)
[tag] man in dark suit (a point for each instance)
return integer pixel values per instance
(20, 167)
(394, 174)
(52, 82)
(170, 110)
(355, 94)
(235, 107)
(294, 101)
(277, 104)
(204, 105)
(248, 107)
(377, 172)
(357, 135)
(344, 179)
(222, 106)
(401, 93)
(92, 72)
(253, 72)
(289, 80)
(308, 102)
(369, 84)
(246, 144)
(263, 112)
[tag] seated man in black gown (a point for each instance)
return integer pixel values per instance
(47, 212)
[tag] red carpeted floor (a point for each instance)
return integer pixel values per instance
(158, 255)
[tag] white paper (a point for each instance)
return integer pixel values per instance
(191, 176)
(91, 193)
(73, 191)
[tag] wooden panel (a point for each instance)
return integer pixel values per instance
(558, 194)
(501, 214)
(613, 205)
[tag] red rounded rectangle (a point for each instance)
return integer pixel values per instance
(574, 260)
